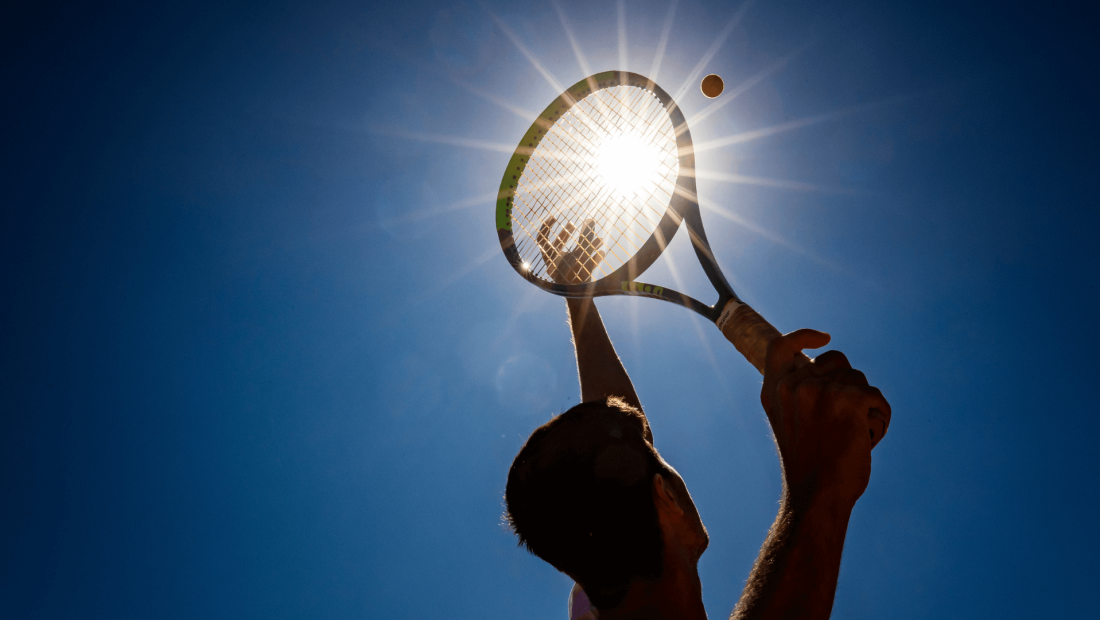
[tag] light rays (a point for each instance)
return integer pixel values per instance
(730, 95)
(581, 60)
(439, 284)
(504, 104)
(756, 134)
(550, 79)
(714, 47)
(422, 214)
(797, 186)
(756, 229)
(438, 71)
(437, 138)
(622, 35)
(659, 55)
(675, 273)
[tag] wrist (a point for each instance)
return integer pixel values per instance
(582, 315)
(827, 501)
(577, 303)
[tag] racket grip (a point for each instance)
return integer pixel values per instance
(749, 332)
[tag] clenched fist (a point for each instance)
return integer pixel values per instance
(825, 417)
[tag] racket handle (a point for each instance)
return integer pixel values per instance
(750, 333)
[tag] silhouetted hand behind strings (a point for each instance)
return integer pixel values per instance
(574, 266)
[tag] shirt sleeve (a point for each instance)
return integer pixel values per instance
(580, 608)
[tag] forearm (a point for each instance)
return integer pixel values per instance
(796, 573)
(598, 365)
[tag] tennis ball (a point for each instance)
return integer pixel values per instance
(712, 86)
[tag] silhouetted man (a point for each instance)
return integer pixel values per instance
(591, 495)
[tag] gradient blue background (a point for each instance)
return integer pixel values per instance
(262, 358)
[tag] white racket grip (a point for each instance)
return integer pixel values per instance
(748, 331)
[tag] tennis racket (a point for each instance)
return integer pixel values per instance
(613, 154)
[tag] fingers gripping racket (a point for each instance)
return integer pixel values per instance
(613, 154)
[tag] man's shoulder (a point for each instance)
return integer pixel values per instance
(580, 608)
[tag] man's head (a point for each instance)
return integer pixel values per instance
(580, 495)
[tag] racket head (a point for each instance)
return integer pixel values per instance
(563, 172)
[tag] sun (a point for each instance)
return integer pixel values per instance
(628, 164)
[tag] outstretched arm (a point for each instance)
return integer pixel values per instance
(601, 373)
(600, 370)
(826, 418)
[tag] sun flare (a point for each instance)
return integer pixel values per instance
(629, 164)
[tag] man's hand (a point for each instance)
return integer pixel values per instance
(826, 418)
(573, 266)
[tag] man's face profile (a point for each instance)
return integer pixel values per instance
(685, 524)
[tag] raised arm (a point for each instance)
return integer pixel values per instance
(826, 418)
(600, 370)
(601, 373)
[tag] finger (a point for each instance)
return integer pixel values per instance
(588, 228)
(877, 424)
(587, 251)
(879, 415)
(843, 376)
(802, 390)
(544, 231)
(543, 238)
(588, 232)
(861, 397)
(584, 264)
(563, 236)
(869, 407)
(830, 361)
(806, 339)
(588, 265)
(589, 242)
(783, 351)
(855, 377)
(851, 376)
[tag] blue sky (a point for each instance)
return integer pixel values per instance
(263, 359)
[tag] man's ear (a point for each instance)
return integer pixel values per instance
(664, 497)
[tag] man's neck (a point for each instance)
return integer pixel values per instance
(677, 595)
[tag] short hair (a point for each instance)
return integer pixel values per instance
(579, 495)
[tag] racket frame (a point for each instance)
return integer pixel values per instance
(683, 207)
